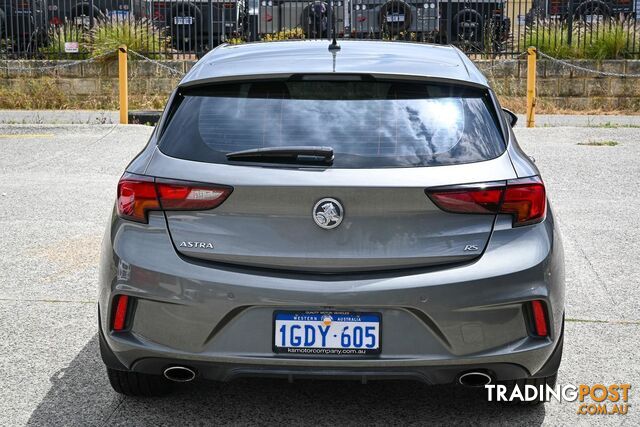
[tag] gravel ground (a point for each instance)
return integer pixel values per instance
(57, 185)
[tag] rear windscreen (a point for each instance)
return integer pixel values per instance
(367, 123)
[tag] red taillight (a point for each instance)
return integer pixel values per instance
(525, 199)
(120, 313)
(174, 196)
(137, 195)
(539, 318)
(471, 200)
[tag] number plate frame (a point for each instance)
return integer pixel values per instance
(327, 352)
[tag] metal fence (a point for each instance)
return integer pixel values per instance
(70, 29)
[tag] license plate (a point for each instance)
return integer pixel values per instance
(395, 18)
(183, 20)
(326, 332)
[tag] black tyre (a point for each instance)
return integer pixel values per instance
(469, 26)
(592, 8)
(136, 384)
(19, 31)
(395, 17)
(86, 15)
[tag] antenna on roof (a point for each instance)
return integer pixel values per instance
(334, 42)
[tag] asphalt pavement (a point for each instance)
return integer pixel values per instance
(57, 185)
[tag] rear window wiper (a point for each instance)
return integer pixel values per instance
(285, 154)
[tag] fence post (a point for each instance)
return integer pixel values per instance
(531, 86)
(449, 31)
(123, 84)
(211, 29)
(569, 23)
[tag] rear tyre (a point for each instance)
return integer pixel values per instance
(137, 384)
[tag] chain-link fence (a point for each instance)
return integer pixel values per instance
(77, 29)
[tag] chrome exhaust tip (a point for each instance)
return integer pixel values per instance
(179, 374)
(475, 379)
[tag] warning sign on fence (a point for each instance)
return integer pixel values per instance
(71, 47)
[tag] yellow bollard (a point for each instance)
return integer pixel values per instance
(123, 84)
(531, 87)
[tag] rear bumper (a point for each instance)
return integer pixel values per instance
(436, 324)
(426, 374)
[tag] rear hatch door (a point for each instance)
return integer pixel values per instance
(268, 220)
(388, 148)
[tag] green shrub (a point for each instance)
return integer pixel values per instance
(140, 36)
(288, 34)
(551, 38)
(105, 37)
(403, 35)
(610, 39)
(58, 36)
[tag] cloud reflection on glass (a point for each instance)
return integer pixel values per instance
(368, 124)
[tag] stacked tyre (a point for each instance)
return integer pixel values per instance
(395, 17)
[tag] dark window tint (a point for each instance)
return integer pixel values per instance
(368, 124)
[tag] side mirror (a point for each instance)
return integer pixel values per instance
(511, 117)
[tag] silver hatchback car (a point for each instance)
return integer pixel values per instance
(358, 213)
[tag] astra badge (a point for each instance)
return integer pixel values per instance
(328, 213)
(196, 245)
